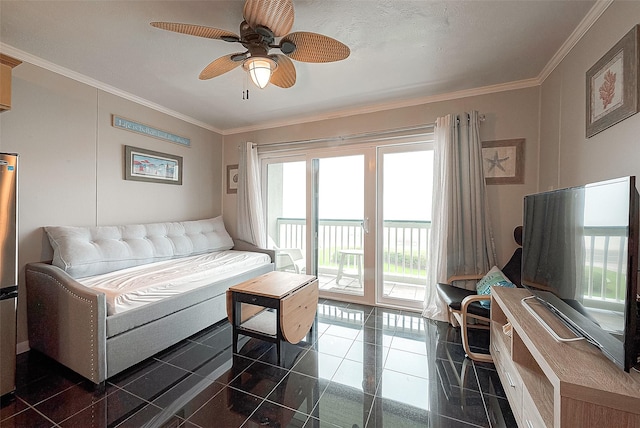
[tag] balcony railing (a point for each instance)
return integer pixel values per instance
(605, 263)
(405, 247)
(406, 252)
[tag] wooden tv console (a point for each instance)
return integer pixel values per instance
(555, 384)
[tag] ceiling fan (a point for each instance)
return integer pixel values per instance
(264, 21)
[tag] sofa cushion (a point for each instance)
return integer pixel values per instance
(129, 320)
(127, 289)
(87, 251)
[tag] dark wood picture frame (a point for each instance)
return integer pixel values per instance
(232, 179)
(612, 85)
(503, 161)
(151, 166)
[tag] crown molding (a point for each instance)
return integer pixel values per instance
(47, 65)
(35, 60)
(587, 22)
(520, 84)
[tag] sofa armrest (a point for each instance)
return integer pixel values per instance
(66, 320)
(240, 245)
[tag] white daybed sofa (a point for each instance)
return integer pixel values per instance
(116, 295)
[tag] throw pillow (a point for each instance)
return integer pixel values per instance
(494, 277)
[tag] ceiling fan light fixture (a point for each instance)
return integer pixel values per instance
(260, 70)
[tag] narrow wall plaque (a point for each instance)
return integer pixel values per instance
(129, 125)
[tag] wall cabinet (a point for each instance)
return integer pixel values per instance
(6, 67)
(553, 384)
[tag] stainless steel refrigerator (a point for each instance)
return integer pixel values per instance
(8, 270)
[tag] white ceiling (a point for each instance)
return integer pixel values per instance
(402, 52)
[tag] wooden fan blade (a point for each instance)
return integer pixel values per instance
(276, 15)
(194, 30)
(219, 66)
(284, 75)
(314, 47)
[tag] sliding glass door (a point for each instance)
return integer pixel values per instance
(405, 182)
(286, 207)
(340, 224)
(358, 218)
(317, 221)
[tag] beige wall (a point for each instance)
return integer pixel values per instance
(71, 164)
(509, 114)
(567, 157)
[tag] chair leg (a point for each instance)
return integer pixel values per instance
(485, 358)
(463, 381)
(453, 319)
(340, 268)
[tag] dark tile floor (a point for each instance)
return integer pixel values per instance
(363, 367)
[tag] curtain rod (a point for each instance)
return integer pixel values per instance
(378, 135)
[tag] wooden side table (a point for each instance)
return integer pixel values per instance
(274, 307)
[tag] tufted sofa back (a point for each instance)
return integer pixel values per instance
(88, 251)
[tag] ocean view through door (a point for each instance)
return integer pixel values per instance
(405, 182)
(339, 218)
(286, 206)
(341, 224)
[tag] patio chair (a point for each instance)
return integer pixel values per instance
(465, 305)
(290, 259)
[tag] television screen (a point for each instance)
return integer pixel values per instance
(580, 259)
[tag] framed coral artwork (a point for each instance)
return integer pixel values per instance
(612, 85)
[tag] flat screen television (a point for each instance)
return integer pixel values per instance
(580, 260)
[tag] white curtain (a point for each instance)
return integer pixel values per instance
(461, 237)
(251, 227)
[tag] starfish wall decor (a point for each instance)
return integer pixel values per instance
(503, 161)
